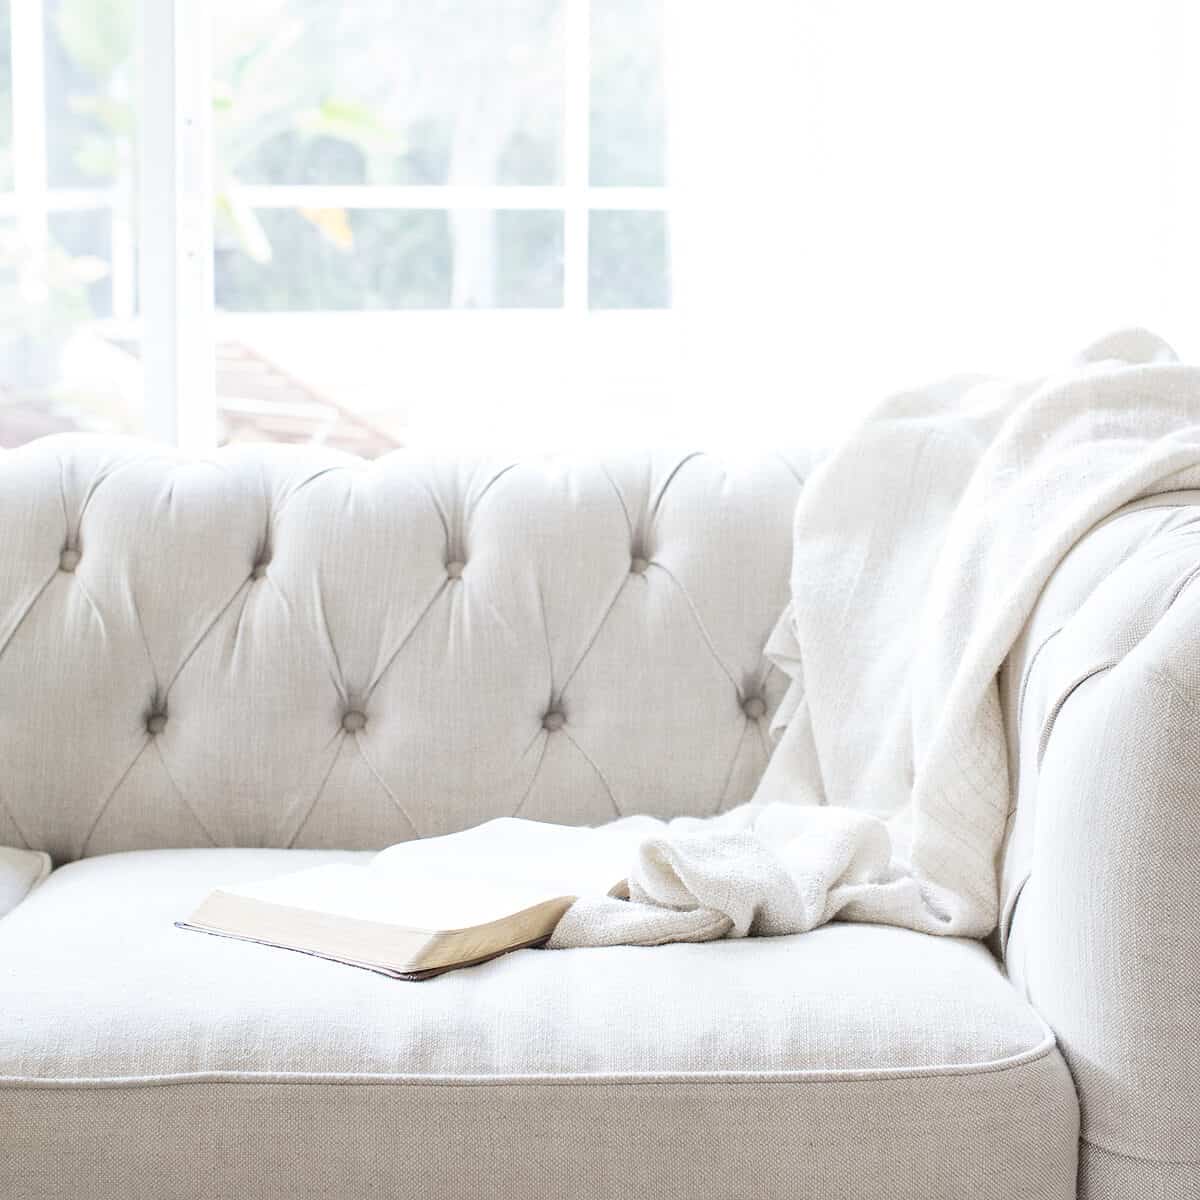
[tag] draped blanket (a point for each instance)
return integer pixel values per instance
(920, 548)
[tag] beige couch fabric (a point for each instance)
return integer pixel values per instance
(299, 648)
(138, 1060)
(20, 872)
(1103, 872)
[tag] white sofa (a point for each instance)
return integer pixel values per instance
(215, 670)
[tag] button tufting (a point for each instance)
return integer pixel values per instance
(353, 721)
(68, 560)
(260, 569)
(755, 707)
(638, 565)
(156, 723)
(553, 721)
(455, 569)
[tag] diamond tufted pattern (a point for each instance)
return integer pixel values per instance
(284, 647)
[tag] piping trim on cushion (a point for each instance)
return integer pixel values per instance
(887, 1074)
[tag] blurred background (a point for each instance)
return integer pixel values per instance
(552, 223)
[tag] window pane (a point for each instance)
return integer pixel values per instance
(529, 260)
(627, 125)
(323, 92)
(628, 260)
(91, 92)
(84, 239)
(337, 260)
(334, 260)
(61, 368)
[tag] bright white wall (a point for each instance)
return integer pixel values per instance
(934, 185)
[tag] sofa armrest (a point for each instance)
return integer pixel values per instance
(20, 872)
(1101, 901)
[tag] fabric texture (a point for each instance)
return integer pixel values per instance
(761, 870)
(745, 1068)
(920, 548)
(20, 872)
(1104, 1175)
(601, 651)
(1102, 909)
(281, 646)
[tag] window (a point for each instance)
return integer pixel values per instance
(417, 156)
(407, 200)
(545, 223)
(418, 200)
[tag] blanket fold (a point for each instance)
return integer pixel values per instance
(920, 548)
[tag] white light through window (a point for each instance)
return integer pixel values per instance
(499, 224)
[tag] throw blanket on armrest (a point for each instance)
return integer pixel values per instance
(920, 548)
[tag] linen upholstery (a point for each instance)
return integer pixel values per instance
(856, 1061)
(292, 648)
(1102, 881)
(20, 872)
(279, 647)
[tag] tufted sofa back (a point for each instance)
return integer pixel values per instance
(292, 647)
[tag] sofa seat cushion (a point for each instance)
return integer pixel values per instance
(137, 1059)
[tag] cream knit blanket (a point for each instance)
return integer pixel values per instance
(920, 548)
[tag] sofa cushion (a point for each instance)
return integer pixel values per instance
(855, 1061)
(188, 637)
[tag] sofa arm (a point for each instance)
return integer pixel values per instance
(1101, 899)
(20, 872)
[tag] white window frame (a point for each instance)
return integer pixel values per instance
(175, 263)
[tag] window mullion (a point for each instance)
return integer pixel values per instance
(176, 262)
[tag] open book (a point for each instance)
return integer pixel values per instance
(423, 907)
